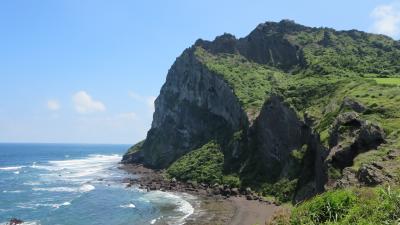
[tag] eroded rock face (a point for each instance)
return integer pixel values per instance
(194, 106)
(350, 136)
(267, 44)
(278, 132)
(373, 174)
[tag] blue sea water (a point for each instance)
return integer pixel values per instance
(68, 184)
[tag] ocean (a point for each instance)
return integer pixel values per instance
(71, 184)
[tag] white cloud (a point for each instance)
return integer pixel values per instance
(386, 19)
(148, 100)
(53, 105)
(85, 104)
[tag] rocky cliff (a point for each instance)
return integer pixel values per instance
(195, 106)
(288, 104)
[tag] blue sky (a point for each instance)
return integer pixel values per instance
(87, 71)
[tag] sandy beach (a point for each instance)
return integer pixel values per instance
(214, 209)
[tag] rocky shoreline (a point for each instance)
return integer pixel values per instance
(220, 203)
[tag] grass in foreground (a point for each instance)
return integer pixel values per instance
(365, 206)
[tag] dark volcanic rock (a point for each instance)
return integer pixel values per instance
(267, 44)
(278, 131)
(353, 105)
(373, 174)
(15, 221)
(194, 106)
(351, 136)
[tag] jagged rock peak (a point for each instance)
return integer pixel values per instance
(225, 43)
(284, 26)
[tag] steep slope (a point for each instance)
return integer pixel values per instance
(195, 105)
(288, 105)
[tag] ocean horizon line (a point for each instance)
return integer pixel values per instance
(62, 143)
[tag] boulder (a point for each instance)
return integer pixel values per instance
(353, 105)
(372, 174)
(15, 221)
(234, 192)
(349, 136)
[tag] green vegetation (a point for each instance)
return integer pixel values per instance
(365, 206)
(298, 154)
(390, 80)
(231, 180)
(135, 148)
(327, 51)
(282, 190)
(202, 165)
(251, 82)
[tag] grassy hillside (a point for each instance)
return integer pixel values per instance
(327, 51)
(365, 206)
(250, 81)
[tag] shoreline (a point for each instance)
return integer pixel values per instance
(217, 205)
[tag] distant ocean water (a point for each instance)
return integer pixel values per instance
(68, 184)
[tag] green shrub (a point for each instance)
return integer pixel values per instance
(135, 148)
(372, 206)
(231, 180)
(282, 190)
(202, 165)
(331, 206)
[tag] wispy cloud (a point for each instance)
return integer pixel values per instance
(148, 100)
(84, 103)
(53, 105)
(386, 19)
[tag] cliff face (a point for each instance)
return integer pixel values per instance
(277, 102)
(284, 147)
(194, 107)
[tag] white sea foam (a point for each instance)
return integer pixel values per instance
(16, 191)
(24, 223)
(11, 168)
(26, 206)
(78, 170)
(128, 206)
(31, 223)
(31, 183)
(60, 205)
(56, 189)
(84, 188)
(31, 205)
(183, 206)
(16, 172)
